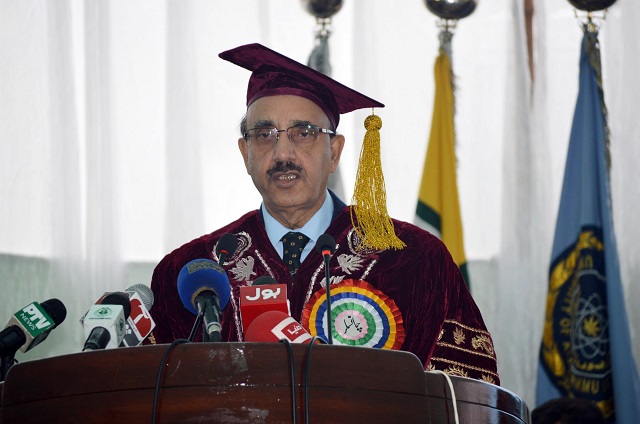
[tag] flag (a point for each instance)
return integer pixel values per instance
(438, 209)
(586, 347)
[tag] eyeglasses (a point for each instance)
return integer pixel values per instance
(302, 135)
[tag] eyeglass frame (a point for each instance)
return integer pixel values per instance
(277, 131)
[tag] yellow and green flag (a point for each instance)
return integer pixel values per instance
(438, 209)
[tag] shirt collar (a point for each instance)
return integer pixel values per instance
(313, 229)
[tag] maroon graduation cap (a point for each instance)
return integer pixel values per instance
(274, 74)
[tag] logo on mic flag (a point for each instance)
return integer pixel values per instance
(289, 329)
(34, 319)
(256, 300)
(263, 293)
(139, 323)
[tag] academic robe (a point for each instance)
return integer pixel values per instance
(413, 299)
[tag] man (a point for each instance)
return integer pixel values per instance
(393, 285)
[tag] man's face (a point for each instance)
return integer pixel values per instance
(292, 179)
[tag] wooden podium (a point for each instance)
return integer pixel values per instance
(247, 383)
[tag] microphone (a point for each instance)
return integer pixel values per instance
(261, 297)
(140, 323)
(27, 328)
(273, 326)
(104, 324)
(264, 280)
(326, 246)
(205, 290)
(226, 246)
(31, 325)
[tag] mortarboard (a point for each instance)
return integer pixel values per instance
(274, 74)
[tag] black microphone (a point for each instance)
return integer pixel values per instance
(104, 324)
(27, 328)
(226, 246)
(326, 246)
(31, 325)
(264, 280)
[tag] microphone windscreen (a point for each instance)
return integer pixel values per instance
(326, 242)
(140, 323)
(228, 243)
(273, 326)
(145, 293)
(56, 310)
(201, 275)
(118, 298)
(264, 280)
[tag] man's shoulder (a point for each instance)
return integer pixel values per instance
(205, 243)
(403, 227)
(415, 236)
(417, 240)
(249, 219)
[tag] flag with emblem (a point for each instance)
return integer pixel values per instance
(438, 208)
(586, 346)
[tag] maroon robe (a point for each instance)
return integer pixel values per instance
(441, 322)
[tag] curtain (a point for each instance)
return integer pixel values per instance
(119, 128)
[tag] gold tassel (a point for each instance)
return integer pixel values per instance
(369, 203)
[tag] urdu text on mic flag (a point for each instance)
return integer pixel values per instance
(438, 208)
(586, 346)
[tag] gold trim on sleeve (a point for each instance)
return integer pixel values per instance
(466, 327)
(473, 352)
(450, 362)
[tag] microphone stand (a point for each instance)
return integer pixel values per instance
(211, 330)
(327, 279)
(326, 246)
(208, 317)
(7, 361)
(209, 305)
(196, 324)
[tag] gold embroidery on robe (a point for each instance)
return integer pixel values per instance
(458, 336)
(483, 342)
(488, 379)
(459, 364)
(473, 352)
(455, 370)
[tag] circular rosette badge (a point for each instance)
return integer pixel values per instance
(361, 316)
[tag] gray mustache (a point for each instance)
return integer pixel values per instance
(283, 167)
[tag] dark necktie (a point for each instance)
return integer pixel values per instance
(293, 244)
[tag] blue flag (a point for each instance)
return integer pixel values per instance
(586, 347)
